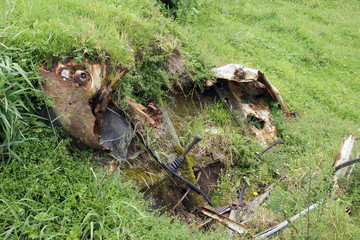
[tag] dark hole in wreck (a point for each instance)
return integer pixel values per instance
(254, 121)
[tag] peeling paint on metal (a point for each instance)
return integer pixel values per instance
(250, 87)
(240, 73)
(236, 72)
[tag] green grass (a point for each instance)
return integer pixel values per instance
(308, 49)
(16, 92)
(59, 194)
(129, 34)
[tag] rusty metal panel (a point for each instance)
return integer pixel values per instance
(80, 101)
(266, 132)
(236, 72)
(72, 107)
(242, 74)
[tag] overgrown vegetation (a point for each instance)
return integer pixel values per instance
(61, 195)
(308, 49)
(17, 104)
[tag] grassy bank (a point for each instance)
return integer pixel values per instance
(59, 194)
(308, 49)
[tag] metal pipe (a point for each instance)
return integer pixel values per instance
(228, 107)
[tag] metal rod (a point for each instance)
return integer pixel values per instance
(228, 107)
(196, 189)
(275, 230)
(233, 225)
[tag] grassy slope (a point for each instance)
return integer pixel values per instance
(310, 53)
(60, 195)
(47, 192)
(307, 49)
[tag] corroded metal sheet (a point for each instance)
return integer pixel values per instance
(71, 105)
(250, 98)
(236, 72)
(80, 101)
(89, 76)
(266, 132)
(242, 74)
(250, 87)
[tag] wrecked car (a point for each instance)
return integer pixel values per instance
(80, 101)
(249, 88)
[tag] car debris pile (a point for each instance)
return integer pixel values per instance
(81, 100)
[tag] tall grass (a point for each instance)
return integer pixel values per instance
(61, 195)
(16, 106)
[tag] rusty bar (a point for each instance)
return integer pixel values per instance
(220, 210)
(233, 225)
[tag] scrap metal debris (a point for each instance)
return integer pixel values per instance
(258, 117)
(249, 87)
(341, 162)
(233, 225)
(277, 229)
(80, 102)
(344, 154)
(220, 210)
(242, 74)
(149, 115)
(175, 165)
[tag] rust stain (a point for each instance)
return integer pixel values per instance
(89, 76)
(255, 110)
(149, 115)
(267, 132)
(72, 107)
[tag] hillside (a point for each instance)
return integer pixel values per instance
(52, 187)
